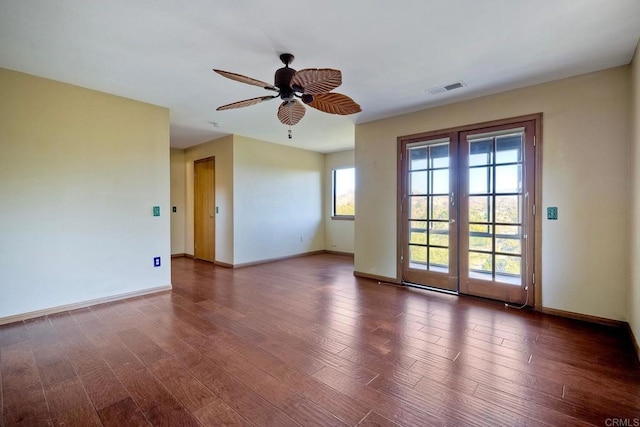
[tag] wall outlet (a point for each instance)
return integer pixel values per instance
(156, 261)
(156, 211)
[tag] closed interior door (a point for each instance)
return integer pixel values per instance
(467, 210)
(204, 209)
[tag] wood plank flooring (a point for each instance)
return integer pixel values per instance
(304, 342)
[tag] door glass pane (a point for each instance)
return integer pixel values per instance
(440, 181)
(439, 207)
(439, 259)
(509, 179)
(481, 240)
(439, 227)
(480, 180)
(418, 236)
(480, 228)
(508, 239)
(418, 257)
(418, 158)
(508, 209)
(439, 156)
(418, 207)
(480, 209)
(508, 269)
(481, 152)
(509, 149)
(418, 182)
(418, 226)
(480, 265)
(439, 238)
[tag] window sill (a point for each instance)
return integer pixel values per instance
(343, 217)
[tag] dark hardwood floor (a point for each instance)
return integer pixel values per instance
(304, 342)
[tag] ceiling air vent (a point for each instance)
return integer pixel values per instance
(446, 88)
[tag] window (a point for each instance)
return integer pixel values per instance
(344, 183)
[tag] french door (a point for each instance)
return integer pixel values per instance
(467, 210)
(429, 229)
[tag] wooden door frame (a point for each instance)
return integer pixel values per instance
(206, 159)
(537, 197)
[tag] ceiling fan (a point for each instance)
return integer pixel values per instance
(312, 86)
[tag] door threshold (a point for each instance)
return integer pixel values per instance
(430, 288)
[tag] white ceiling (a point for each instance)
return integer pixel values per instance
(390, 53)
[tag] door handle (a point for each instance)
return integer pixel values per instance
(210, 216)
(451, 221)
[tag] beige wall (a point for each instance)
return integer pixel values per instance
(338, 233)
(222, 150)
(80, 172)
(277, 200)
(178, 193)
(634, 288)
(269, 199)
(585, 174)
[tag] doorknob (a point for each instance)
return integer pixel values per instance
(451, 221)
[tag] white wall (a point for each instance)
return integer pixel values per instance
(222, 150)
(277, 200)
(80, 172)
(178, 193)
(586, 175)
(634, 288)
(339, 234)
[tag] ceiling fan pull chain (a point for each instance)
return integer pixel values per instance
(290, 118)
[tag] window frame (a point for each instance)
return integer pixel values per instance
(334, 215)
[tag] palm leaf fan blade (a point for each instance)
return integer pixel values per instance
(291, 112)
(245, 103)
(244, 79)
(317, 80)
(335, 103)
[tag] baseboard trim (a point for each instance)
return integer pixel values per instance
(634, 341)
(223, 264)
(585, 317)
(349, 254)
(382, 279)
(181, 256)
(83, 304)
(265, 261)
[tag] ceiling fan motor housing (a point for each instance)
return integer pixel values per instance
(282, 80)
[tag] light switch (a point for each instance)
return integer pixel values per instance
(156, 211)
(552, 213)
